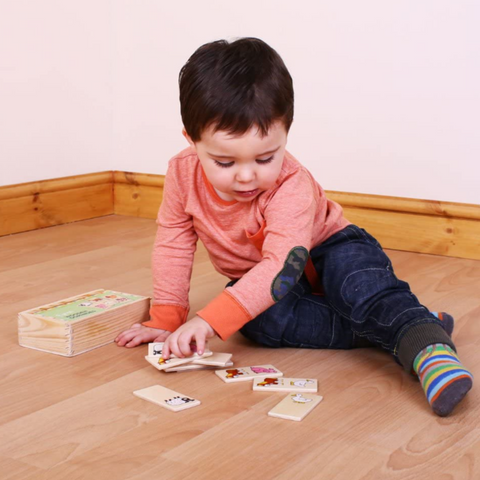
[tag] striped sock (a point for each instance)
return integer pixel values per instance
(447, 321)
(444, 379)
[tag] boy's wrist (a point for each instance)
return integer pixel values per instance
(166, 317)
(225, 315)
(210, 329)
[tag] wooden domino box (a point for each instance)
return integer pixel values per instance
(78, 324)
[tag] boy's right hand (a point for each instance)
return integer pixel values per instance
(138, 334)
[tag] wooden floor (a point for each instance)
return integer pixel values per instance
(76, 418)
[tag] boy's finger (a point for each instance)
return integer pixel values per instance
(127, 334)
(134, 342)
(123, 338)
(137, 337)
(184, 345)
(166, 351)
(200, 339)
(132, 329)
(174, 348)
(120, 336)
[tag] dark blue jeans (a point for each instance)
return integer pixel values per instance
(363, 303)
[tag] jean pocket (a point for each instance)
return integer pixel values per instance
(361, 287)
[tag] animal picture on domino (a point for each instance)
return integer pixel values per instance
(247, 373)
(283, 384)
(299, 398)
(161, 364)
(177, 401)
(164, 397)
(155, 349)
(155, 358)
(235, 373)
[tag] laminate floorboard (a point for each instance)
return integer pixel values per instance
(77, 418)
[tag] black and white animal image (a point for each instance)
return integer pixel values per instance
(175, 401)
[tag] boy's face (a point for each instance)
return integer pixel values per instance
(241, 167)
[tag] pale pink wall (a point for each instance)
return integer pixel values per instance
(387, 98)
(55, 89)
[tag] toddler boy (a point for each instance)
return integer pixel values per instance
(301, 274)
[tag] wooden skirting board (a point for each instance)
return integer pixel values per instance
(137, 194)
(29, 206)
(423, 226)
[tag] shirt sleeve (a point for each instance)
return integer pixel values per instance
(288, 228)
(172, 259)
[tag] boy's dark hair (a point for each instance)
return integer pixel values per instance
(234, 86)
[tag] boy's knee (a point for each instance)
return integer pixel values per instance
(362, 285)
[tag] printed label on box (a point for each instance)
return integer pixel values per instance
(87, 305)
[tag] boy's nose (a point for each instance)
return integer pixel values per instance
(245, 175)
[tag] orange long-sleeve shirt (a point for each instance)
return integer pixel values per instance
(264, 243)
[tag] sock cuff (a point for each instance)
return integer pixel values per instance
(416, 338)
(432, 354)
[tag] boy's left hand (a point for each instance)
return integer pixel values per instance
(178, 343)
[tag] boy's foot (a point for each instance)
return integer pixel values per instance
(447, 321)
(444, 379)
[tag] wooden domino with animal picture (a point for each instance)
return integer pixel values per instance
(283, 384)
(155, 358)
(167, 398)
(155, 349)
(295, 406)
(243, 374)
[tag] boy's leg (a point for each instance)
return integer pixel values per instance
(360, 284)
(305, 320)
(301, 320)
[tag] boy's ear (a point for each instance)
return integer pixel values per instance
(187, 136)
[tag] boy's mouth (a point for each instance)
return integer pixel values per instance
(246, 193)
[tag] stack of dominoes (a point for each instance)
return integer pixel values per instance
(208, 361)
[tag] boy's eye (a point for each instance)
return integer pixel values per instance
(229, 164)
(223, 164)
(264, 161)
